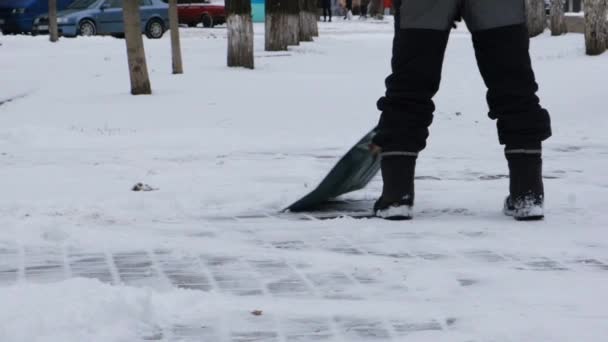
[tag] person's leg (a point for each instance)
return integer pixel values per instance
(421, 34)
(501, 42)
(349, 9)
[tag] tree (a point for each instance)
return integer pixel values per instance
(136, 55)
(558, 20)
(376, 9)
(240, 33)
(314, 17)
(606, 28)
(53, 31)
(308, 20)
(536, 17)
(293, 22)
(176, 50)
(595, 26)
(276, 25)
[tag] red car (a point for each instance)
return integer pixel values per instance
(192, 12)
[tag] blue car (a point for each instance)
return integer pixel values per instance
(17, 16)
(104, 17)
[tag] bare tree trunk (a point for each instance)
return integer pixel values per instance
(376, 9)
(606, 24)
(314, 13)
(276, 26)
(307, 21)
(595, 26)
(240, 33)
(558, 20)
(537, 18)
(53, 30)
(138, 70)
(293, 22)
(176, 50)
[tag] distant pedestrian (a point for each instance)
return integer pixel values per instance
(349, 10)
(363, 9)
(326, 9)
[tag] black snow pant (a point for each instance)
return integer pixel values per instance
(501, 43)
(326, 9)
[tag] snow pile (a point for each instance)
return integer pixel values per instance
(77, 310)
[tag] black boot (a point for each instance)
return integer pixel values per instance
(397, 197)
(526, 198)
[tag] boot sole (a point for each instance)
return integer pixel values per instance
(530, 218)
(397, 213)
(396, 218)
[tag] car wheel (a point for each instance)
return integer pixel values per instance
(207, 20)
(87, 28)
(155, 29)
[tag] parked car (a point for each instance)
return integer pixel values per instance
(104, 17)
(206, 12)
(17, 16)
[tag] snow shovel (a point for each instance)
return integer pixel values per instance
(352, 172)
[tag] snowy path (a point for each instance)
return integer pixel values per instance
(314, 281)
(83, 258)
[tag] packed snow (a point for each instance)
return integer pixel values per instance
(84, 258)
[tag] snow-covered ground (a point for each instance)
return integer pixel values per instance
(83, 258)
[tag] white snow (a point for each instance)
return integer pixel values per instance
(219, 143)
